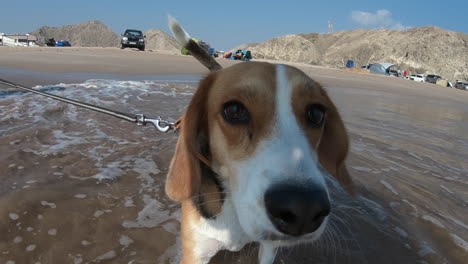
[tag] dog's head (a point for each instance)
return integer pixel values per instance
(271, 134)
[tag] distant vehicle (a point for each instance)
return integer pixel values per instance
(418, 78)
(394, 72)
(63, 43)
(462, 85)
(51, 42)
(432, 78)
(133, 38)
(366, 66)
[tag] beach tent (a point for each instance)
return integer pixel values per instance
(380, 68)
(227, 55)
(244, 55)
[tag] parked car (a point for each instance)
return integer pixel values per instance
(133, 38)
(63, 43)
(432, 78)
(50, 42)
(393, 71)
(462, 85)
(418, 78)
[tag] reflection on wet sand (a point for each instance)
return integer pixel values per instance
(411, 155)
(79, 187)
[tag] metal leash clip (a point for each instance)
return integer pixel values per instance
(161, 124)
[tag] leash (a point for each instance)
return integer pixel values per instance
(140, 119)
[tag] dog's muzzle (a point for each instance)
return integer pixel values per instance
(296, 210)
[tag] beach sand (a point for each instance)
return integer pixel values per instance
(80, 187)
(99, 60)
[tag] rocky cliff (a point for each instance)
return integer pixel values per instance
(422, 50)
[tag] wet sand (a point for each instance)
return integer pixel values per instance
(80, 187)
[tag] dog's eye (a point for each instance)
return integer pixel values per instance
(235, 113)
(315, 115)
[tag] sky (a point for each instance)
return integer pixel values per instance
(227, 24)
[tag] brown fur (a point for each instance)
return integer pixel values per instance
(257, 94)
(184, 176)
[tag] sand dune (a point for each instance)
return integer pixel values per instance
(96, 34)
(422, 50)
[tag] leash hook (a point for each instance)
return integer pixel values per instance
(159, 123)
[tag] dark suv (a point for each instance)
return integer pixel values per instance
(432, 78)
(133, 38)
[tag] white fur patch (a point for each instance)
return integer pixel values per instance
(222, 232)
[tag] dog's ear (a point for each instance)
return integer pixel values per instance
(333, 148)
(184, 175)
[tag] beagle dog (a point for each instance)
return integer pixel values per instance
(256, 143)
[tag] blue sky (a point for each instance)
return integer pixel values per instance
(226, 24)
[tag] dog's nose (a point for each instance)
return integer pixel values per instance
(296, 210)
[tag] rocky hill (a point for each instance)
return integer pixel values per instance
(96, 34)
(421, 50)
(159, 40)
(88, 34)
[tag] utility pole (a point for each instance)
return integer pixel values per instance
(330, 26)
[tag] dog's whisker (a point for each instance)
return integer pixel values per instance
(209, 193)
(290, 250)
(355, 213)
(330, 250)
(350, 240)
(206, 203)
(351, 234)
(195, 197)
(335, 240)
(327, 246)
(338, 235)
(341, 240)
(336, 246)
(318, 245)
(328, 241)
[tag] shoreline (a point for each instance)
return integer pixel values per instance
(33, 78)
(101, 60)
